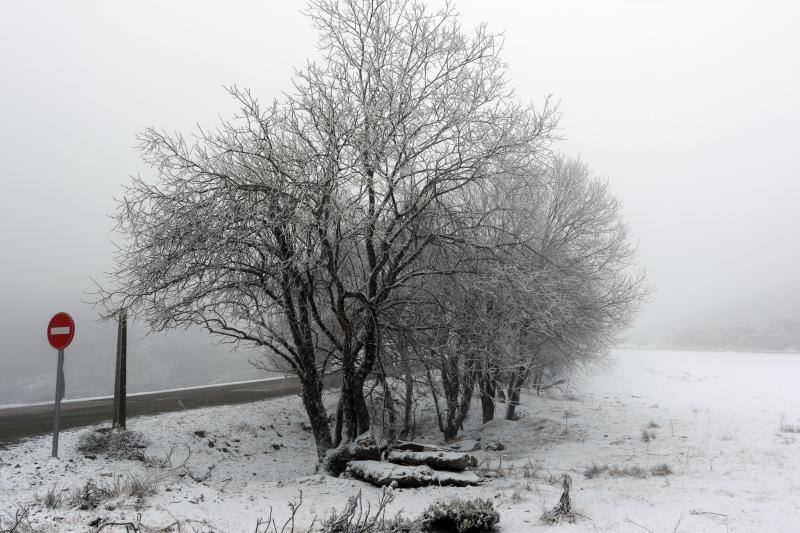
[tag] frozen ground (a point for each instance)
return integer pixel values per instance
(719, 429)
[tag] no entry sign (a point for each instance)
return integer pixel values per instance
(60, 331)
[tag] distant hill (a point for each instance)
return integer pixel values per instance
(775, 337)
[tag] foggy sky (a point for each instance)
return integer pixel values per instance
(690, 109)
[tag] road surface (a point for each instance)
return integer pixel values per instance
(27, 421)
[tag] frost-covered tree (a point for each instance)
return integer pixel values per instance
(408, 110)
(548, 284)
(299, 226)
(582, 279)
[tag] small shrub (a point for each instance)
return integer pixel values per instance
(87, 497)
(662, 469)
(531, 470)
(653, 425)
(116, 444)
(360, 517)
(648, 436)
(461, 516)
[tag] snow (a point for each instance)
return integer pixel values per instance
(719, 429)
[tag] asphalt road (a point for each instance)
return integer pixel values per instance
(28, 421)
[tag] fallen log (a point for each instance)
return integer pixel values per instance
(383, 474)
(364, 448)
(438, 460)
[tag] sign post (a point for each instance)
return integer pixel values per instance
(60, 331)
(120, 388)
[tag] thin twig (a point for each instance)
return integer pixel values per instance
(638, 525)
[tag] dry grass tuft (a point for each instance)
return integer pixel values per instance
(52, 498)
(662, 469)
(595, 470)
(635, 471)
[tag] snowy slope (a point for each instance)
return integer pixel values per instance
(718, 418)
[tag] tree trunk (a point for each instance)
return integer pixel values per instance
(317, 416)
(337, 430)
(348, 400)
(390, 430)
(457, 415)
(406, 433)
(371, 350)
(361, 410)
(487, 390)
(515, 384)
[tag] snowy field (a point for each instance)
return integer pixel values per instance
(722, 422)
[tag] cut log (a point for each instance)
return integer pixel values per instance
(383, 474)
(439, 460)
(365, 448)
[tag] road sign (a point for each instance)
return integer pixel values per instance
(60, 331)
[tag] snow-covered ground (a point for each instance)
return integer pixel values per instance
(718, 418)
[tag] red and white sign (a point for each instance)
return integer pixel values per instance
(60, 331)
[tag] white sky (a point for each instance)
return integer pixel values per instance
(689, 108)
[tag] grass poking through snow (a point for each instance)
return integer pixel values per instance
(635, 471)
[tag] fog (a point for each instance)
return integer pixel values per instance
(689, 109)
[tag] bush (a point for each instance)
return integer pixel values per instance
(116, 444)
(461, 516)
(647, 436)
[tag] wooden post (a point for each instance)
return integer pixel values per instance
(120, 389)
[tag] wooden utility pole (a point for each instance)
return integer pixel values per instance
(120, 389)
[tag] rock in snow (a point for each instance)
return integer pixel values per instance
(383, 474)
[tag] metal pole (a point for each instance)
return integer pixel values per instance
(59, 394)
